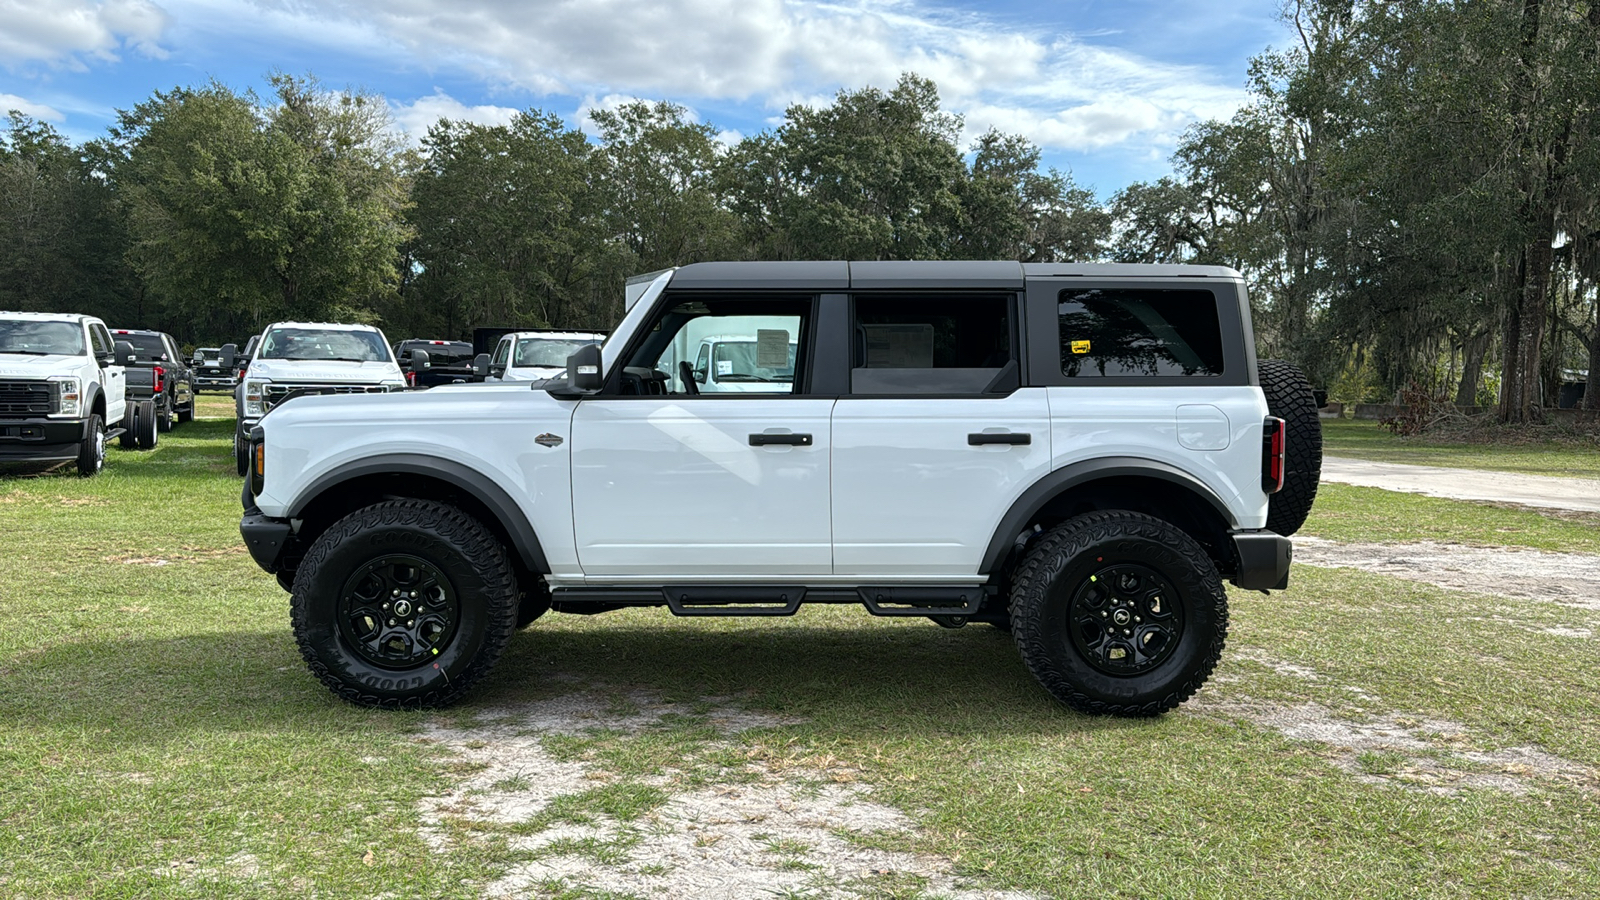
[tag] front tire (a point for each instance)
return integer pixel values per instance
(1119, 613)
(92, 452)
(403, 604)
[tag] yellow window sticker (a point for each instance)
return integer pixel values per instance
(1080, 347)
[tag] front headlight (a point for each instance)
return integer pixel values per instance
(68, 400)
(395, 385)
(255, 404)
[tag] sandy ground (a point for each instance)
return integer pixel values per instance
(1570, 579)
(762, 833)
(1467, 484)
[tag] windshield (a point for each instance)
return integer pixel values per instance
(145, 346)
(736, 361)
(41, 338)
(547, 351)
(317, 343)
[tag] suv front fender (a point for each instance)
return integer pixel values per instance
(508, 516)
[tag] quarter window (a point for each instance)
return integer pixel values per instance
(1128, 332)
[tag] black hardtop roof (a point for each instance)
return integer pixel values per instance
(824, 275)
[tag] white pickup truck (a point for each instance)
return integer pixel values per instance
(535, 355)
(299, 358)
(1081, 454)
(63, 391)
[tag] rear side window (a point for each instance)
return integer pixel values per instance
(1134, 332)
(930, 345)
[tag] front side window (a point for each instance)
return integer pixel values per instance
(41, 338)
(1139, 332)
(101, 339)
(321, 344)
(502, 352)
(700, 347)
(931, 345)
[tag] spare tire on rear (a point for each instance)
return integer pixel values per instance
(1289, 397)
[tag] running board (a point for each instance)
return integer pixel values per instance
(773, 600)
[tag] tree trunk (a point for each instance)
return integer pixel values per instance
(1591, 393)
(1472, 353)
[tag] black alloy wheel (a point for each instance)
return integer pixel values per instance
(397, 612)
(1125, 619)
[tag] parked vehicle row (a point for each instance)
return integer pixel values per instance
(160, 375)
(63, 391)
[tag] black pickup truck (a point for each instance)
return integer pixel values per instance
(159, 373)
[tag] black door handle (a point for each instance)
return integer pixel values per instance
(1004, 437)
(767, 440)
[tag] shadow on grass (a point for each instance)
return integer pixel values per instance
(897, 679)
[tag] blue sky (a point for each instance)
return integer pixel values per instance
(1104, 88)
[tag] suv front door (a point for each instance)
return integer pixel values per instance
(671, 480)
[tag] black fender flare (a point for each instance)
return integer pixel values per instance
(469, 480)
(1066, 478)
(91, 393)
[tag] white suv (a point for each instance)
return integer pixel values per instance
(1080, 454)
(293, 359)
(62, 390)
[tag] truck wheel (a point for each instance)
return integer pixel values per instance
(241, 453)
(144, 423)
(92, 452)
(164, 417)
(1289, 398)
(1119, 613)
(403, 604)
(129, 438)
(186, 414)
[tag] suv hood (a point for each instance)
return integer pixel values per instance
(321, 370)
(22, 365)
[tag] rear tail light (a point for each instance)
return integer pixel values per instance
(161, 382)
(411, 379)
(1273, 443)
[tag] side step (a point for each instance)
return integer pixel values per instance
(732, 600)
(903, 600)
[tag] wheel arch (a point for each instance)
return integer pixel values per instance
(1140, 485)
(334, 494)
(97, 402)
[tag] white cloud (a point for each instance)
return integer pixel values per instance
(415, 118)
(1062, 93)
(9, 102)
(63, 32)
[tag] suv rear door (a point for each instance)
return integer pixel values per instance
(935, 438)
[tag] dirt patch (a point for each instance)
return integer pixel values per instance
(760, 833)
(1570, 579)
(1432, 755)
(186, 554)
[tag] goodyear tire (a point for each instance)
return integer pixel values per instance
(403, 604)
(1119, 613)
(1289, 397)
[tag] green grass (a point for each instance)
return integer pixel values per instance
(162, 737)
(1364, 439)
(1349, 513)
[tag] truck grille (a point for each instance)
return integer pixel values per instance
(23, 399)
(276, 392)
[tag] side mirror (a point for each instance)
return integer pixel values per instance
(199, 358)
(229, 352)
(480, 367)
(700, 375)
(122, 354)
(419, 361)
(584, 369)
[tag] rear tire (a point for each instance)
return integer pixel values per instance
(403, 604)
(1289, 397)
(144, 425)
(92, 452)
(1119, 613)
(164, 418)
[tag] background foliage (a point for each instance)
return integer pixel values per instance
(1413, 192)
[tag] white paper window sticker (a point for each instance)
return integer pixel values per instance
(772, 348)
(724, 367)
